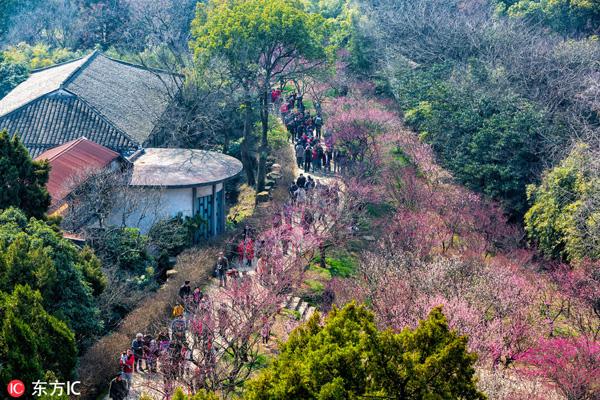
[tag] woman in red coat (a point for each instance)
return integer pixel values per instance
(241, 249)
(249, 251)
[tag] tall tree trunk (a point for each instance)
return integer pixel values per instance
(264, 142)
(245, 148)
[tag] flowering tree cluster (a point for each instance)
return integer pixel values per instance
(441, 244)
(220, 345)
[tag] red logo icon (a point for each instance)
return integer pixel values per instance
(16, 388)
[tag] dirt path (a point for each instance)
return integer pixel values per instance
(142, 381)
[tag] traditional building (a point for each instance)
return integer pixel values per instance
(191, 182)
(72, 163)
(182, 182)
(115, 104)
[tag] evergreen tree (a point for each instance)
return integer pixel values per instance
(34, 343)
(31, 253)
(347, 358)
(22, 180)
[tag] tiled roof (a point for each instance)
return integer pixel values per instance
(75, 159)
(131, 97)
(40, 82)
(53, 120)
(113, 103)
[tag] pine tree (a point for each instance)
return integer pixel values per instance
(22, 180)
(347, 358)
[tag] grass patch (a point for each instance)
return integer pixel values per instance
(290, 313)
(380, 210)
(244, 207)
(314, 286)
(342, 267)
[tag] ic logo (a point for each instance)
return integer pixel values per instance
(16, 388)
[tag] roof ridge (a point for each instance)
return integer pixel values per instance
(71, 144)
(90, 57)
(130, 64)
(33, 71)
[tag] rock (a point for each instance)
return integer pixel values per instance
(263, 197)
(270, 183)
(171, 273)
(369, 238)
(276, 166)
(273, 176)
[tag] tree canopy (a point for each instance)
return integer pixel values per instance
(33, 254)
(563, 218)
(347, 358)
(34, 342)
(22, 180)
(261, 41)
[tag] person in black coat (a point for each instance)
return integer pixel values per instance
(307, 158)
(118, 388)
(248, 234)
(185, 290)
(293, 188)
(301, 180)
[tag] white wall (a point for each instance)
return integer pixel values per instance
(161, 203)
(177, 200)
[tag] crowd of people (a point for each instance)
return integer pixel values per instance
(305, 130)
(168, 351)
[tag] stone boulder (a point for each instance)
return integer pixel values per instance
(263, 197)
(273, 176)
(269, 184)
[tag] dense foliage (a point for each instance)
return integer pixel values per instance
(34, 342)
(573, 18)
(32, 253)
(563, 217)
(347, 357)
(22, 180)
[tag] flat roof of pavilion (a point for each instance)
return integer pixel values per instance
(183, 168)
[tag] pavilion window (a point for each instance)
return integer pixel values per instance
(205, 210)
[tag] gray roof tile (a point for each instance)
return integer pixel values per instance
(52, 120)
(110, 102)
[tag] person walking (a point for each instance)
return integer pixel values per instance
(284, 110)
(301, 181)
(185, 290)
(248, 233)
(222, 267)
(300, 155)
(308, 153)
(301, 196)
(293, 189)
(118, 388)
(197, 296)
(320, 154)
(178, 328)
(249, 251)
(318, 121)
(178, 310)
(266, 332)
(127, 360)
(138, 351)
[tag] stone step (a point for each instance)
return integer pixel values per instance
(309, 312)
(302, 309)
(294, 303)
(288, 302)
